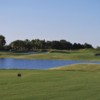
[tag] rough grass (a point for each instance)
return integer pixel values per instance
(49, 85)
(85, 54)
(79, 67)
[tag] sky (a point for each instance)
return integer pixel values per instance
(73, 20)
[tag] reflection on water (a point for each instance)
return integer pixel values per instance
(6, 63)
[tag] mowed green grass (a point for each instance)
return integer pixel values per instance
(49, 85)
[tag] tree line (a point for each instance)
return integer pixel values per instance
(37, 44)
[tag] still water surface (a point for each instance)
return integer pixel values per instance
(7, 63)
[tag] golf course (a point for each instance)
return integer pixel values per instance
(49, 49)
(73, 82)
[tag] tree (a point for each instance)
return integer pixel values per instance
(36, 44)
(65, 45)
(48, 45)
(55, 44)
(86, 45)
(2, 42)
(18, 45)
(7, 47)
(43, 44)
(27, 44)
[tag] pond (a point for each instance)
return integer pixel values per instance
(7, 63)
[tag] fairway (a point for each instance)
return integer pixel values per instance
(49, 85)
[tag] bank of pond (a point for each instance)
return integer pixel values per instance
(11, 63)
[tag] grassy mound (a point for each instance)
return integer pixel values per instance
(79, 67)
(84, 54)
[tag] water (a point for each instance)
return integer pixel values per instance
(7, 63)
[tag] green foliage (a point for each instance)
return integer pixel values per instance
(18, 45)
(2, 42)
(35, 44)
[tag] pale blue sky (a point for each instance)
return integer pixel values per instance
(72, 20)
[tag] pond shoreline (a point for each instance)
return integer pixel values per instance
(13, 63)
